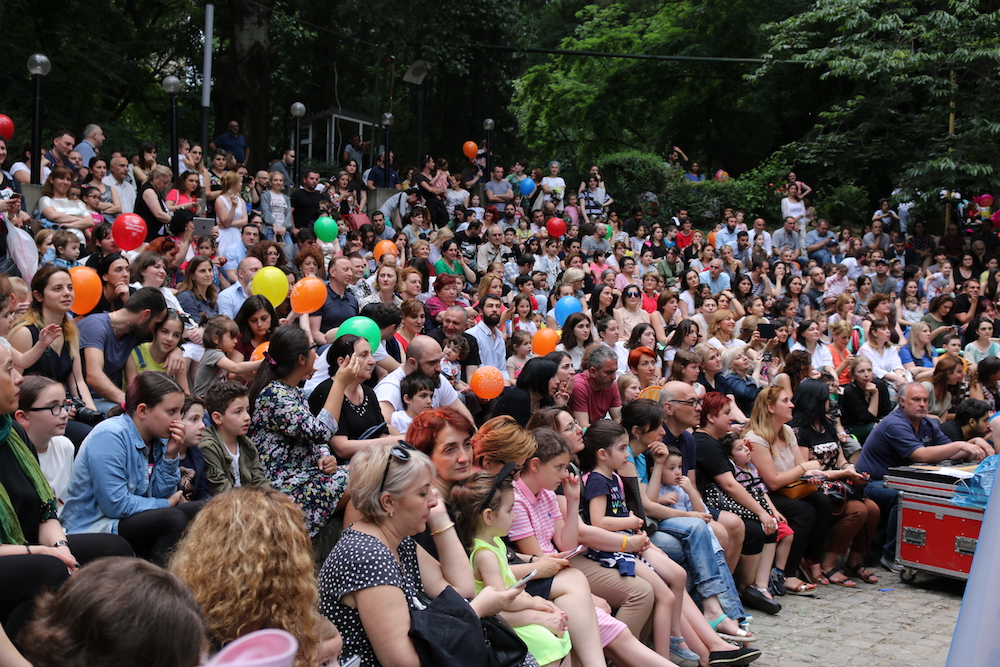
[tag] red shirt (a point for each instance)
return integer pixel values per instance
(684, 241)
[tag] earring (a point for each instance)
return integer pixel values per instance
(390, 515)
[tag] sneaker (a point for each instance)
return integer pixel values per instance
(739, 656)
(889, 565)
(683, 657)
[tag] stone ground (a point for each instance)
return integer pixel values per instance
(888, 624)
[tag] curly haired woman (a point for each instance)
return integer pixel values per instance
(249, 563)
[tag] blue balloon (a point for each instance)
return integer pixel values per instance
(565, 307)
(527, 187)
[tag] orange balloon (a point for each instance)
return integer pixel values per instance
(487, 382)
(544, 341)
(258, 353)
(470, 148)
(308, 295)
(652, 393)
(86, 289)
(383, 247)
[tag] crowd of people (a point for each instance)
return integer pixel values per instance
(708, 430)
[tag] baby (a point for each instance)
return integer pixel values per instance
(836, 284)
(456, 349)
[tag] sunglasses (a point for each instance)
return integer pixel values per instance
(631, 294)
(401, 452)
(509, 470)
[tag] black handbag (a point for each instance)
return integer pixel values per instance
(448, 632)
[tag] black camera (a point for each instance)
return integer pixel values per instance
(84, 414)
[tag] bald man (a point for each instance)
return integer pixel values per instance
(423, 355)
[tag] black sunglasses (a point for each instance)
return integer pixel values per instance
(509, 470)
(631, 294)
(401, 452)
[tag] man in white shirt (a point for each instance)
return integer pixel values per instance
(423, 355)
(492, 350)
(117, 178)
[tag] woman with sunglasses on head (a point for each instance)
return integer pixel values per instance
(376, 574)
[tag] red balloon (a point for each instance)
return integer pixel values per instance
(86, 289)
(556, 227)
(487, 382)
(544, 341)
(129, 231)
(6, 127)
(471, 149)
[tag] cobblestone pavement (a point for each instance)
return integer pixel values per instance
(888, 624)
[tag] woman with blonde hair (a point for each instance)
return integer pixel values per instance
(780, 462)
(499, 441)
(918, 354)
(843, 310)
(840, 335)
(249, 563)
(491, 283)
(230, 210)
(722, 330)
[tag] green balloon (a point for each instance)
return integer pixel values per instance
(326, 229)
(607, 234)
(361, 326)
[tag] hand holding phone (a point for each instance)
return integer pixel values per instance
(523, 580)
(572, 552)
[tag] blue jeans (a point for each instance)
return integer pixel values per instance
(888, 501)
(688, 541)
(822, 256)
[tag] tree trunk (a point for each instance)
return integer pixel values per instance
(244, 94)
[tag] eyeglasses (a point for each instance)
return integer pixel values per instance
(693, 402)
(509, 470)
(571, 427)
(402, 452)
(55, 410)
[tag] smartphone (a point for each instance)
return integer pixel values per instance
(16, 195)
(767, 357)
(203, 227)
(352, 662)
(573, 552)
(766, 330)
(523, 580)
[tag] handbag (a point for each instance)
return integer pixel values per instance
(797, 489)
(448, 632)
(355, 220)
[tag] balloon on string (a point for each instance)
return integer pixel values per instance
(487, 382)
(383, 247)
(361, 326)
(544, 341)
(470, 149)
(722, 176)
(6, 127)
(129, 231)
(565, 307)
(556, 227)
(308, 295)
(527, 187)
(271, 283)
(258, 353)
(326, 229)
(86, 289)
(608, 231)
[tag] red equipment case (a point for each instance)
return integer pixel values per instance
(934, 535)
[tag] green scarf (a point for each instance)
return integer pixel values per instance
(10, 527)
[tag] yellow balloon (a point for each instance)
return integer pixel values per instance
(271, 283)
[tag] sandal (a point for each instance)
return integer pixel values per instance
(741, 636)
(845, 582)
(862, 573)
(802, 589)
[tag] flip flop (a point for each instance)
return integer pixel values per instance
(846, 582)
(801, 589)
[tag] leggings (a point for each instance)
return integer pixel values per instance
(154, 533)
(810, 517)
(21, 579)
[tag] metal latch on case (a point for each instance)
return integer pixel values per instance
(914, 536)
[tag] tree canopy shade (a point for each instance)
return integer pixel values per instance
(893, 71)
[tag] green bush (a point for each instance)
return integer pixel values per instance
(631, 173)
(844, 201)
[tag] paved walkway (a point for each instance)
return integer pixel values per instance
(889, 624)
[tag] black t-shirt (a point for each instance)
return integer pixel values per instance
(962, 305)
(305, 207)
(471, 359)
(711, 459)
(854, 404)
(468, 174)
(953, 431)
(823, 444)
(469, 246)
(357, 422)
(23, 496)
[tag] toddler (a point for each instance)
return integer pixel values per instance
(518, 352)
(417, 392)
(836, 284)
(475, 208)
(219, 339)
(456, 349)
(67, 249)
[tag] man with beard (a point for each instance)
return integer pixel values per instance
(508, 221)
(594, 391)
(107, 340)
(423, 355)
(455, 321)
(492, 350)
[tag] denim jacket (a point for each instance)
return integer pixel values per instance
(112, 478)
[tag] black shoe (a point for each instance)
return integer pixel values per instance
(752, 597)
(776, 585)
(738, 656)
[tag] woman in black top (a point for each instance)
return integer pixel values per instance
(537, 387)
(361, 423)
(149, 203)
(864, 403)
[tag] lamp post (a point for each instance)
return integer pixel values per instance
(38, 65)
(172, 86)
(488, 125)
(298, 110)
(387, 120)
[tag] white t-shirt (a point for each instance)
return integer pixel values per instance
(57, 466)
(20, 166)
(400, 421)
(388, 390)
(234, 462)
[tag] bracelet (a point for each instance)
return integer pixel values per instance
(61, 543)
(624, 543)
(28, 549)
(533, 559)
(441, 530)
